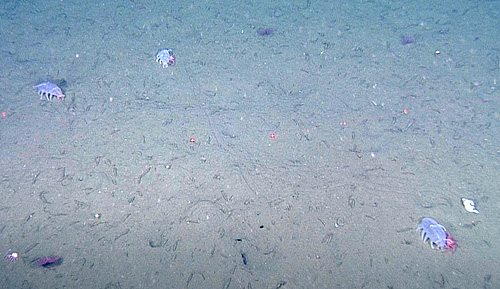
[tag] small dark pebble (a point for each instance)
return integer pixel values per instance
(61, 82)
(265, 31)
(408, 40)
(156, 244)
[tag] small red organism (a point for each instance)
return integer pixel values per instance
(171, 60)
(451, 244)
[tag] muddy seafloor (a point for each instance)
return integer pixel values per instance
(303, 158)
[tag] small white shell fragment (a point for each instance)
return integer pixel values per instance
(469, 205)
